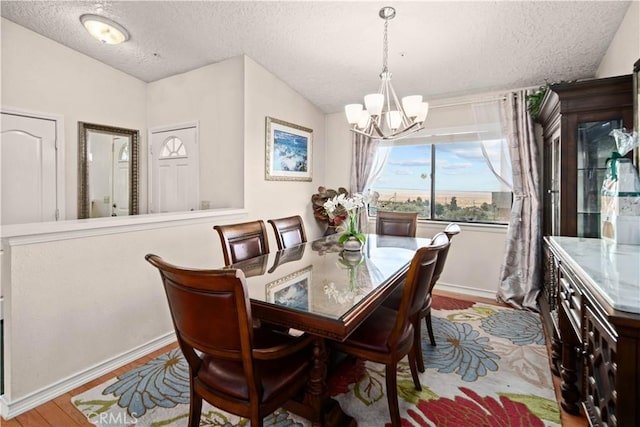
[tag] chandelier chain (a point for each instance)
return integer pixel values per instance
(385, 48)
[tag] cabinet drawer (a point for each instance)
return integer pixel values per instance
(570, 299)
(601, 368)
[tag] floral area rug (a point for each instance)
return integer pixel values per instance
(489, 368)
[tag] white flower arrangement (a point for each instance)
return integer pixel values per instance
(351, 205)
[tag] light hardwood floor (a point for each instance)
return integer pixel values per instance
(59, 412)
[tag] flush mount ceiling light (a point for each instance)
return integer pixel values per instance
(104, 29)
(383, 116)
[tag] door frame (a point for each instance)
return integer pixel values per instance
(150, 131)
(60, 152)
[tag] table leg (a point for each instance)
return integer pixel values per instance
(316, 405)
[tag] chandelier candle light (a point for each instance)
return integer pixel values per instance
(383, 116)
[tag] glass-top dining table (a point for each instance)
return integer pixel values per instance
(322, 290)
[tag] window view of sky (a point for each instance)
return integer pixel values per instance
(459, 166)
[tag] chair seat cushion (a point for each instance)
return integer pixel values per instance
(373, 334)
(227, 377)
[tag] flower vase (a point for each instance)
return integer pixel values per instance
(351, 258)
(352, 244)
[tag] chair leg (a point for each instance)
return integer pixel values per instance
(256, 420)
(195, 409)
(392, 394)
(427, 320)
(414, 369)
(417, 344)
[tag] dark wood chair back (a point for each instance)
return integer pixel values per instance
(450, 231)
(419, 277)
(387, 335)
(395, 299)
(396, 223)
(191, 294)
(289, 231)
(243, 241)
(237, 368)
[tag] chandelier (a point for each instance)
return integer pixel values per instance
(383, 116)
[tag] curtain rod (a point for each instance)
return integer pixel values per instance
(486, 98)
(472, 101)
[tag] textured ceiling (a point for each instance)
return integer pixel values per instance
(331, 52)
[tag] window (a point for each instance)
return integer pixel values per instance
(123, 154)
(173, 147)
(456, 174)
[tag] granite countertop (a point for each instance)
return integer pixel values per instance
(614, 269)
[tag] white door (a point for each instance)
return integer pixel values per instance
(120, 191)
(174, 170)
(28, 161)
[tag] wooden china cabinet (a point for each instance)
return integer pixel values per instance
(586, 331)
(576, 119)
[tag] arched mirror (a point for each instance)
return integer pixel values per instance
(107, 171)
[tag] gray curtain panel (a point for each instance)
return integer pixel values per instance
(520, 273)
(363, 154)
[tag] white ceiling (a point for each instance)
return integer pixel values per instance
(331, 52)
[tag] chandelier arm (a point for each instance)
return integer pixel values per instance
(376, 126)
(387, 98)
(359, 132)
(415, 127)
(405, 119)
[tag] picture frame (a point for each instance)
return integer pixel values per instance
(293, 290)
(288, 151)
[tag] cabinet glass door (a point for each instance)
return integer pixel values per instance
(554, 191)
(595, 146)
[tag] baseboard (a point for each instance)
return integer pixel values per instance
(459, 289)
(10, 409)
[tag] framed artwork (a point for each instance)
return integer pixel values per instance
(288, 156)
(292, 290)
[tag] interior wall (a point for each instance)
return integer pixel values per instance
(86, 300)
(624, 49)
(40, 75)
(213, 96)
(266, 95)
(338, 149)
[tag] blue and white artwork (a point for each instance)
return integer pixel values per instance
(290, 152)
(295, 295)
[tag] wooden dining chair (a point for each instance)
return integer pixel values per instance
(387, 335)
(289, 231)
(243, 241)
(247, 371)
(393, 300)
(396, 223)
